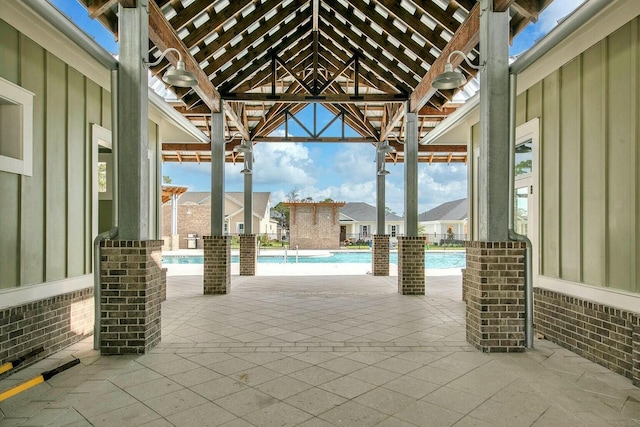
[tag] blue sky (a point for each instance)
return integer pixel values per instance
(345, 172)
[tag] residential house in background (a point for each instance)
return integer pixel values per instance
(445, 222)
(358, 222)
(193, 218)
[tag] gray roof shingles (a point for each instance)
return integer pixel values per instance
(455, 210)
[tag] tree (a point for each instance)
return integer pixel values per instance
(281, 213)
(293, 195)
(328, 200)
(166, 179)
(389, 211)
(308, 199)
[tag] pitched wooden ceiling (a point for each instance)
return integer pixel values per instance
(365, 61)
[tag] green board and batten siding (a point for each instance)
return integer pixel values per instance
(590, 163)
(45, 219)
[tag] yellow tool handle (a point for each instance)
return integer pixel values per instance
(6, 367)
(21, 387)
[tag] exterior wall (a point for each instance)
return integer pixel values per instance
(589, 164)
(53, 323)
(600, 333)
(324, 234)
(46, 219)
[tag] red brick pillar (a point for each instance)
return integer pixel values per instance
(494, 291)
(411, 265)
(130, 296)
(380, 255)
(217, 265)
(248, 254)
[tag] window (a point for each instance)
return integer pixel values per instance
(364, 231)
(16, 129)
(393, 230)
(240, 228)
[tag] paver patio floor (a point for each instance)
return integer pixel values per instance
(321, 351)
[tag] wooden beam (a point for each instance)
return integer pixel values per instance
(465, 39)
(164, 36)
(326, 98)
(233, 117)
(97, 8)
(392, 122)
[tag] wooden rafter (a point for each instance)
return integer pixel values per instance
(164, 36)
(465, 39)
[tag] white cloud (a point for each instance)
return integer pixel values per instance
(283, 164)
(355, 162)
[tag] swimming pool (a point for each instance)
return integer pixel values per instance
(455, 259)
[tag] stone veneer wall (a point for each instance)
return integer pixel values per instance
(130, 296)
(323, 234)
(380, 255)
(248, 254)
(53, 323)
(411, 274)
(217, 265)
(597, 332)
(494, 292)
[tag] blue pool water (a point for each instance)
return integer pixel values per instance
(432, 259)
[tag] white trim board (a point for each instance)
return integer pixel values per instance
(25, 294)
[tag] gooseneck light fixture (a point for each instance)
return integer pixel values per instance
(451, 79)
(177, 76)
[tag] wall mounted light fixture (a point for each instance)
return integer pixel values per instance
(451, 79)
(177, 76)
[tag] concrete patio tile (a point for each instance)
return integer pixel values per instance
(139, 376)
(207, 414)
(394, 422)
(353, 414)
(411, 386)
(342, 365)
(177, 401)
(314, 357)
(255, 376)
(385, 400)
(315, 375)
(423, 413)
(315, 401)
(206, 358)
(231, 366)
(278, 415)
(174, 367)
(398, 365)
(316, 422)
(245, 401)
(218, 388)
(454, 400)
(283, 387)
(194, 376)
(347, 387)
(374, 375)
(434, 375)
(136, 414)
(152, 389)
(90, 405)
(287, 365)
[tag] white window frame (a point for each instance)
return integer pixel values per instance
(240, 227)
(393, 230)
(16, 106)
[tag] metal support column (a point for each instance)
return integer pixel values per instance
(217, 173)
(380, 194)
(133, 132)
(174, 214)
(493, 175)
(248, 195)
(411, 175)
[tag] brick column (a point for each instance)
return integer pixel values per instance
(217, 265)
(380, 255)
(636, 350)
(163, 284)
(130, 296)
(411, 265)
(248, 254)
(494, 282)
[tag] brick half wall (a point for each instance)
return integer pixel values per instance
(600, 333)
(53, 323)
